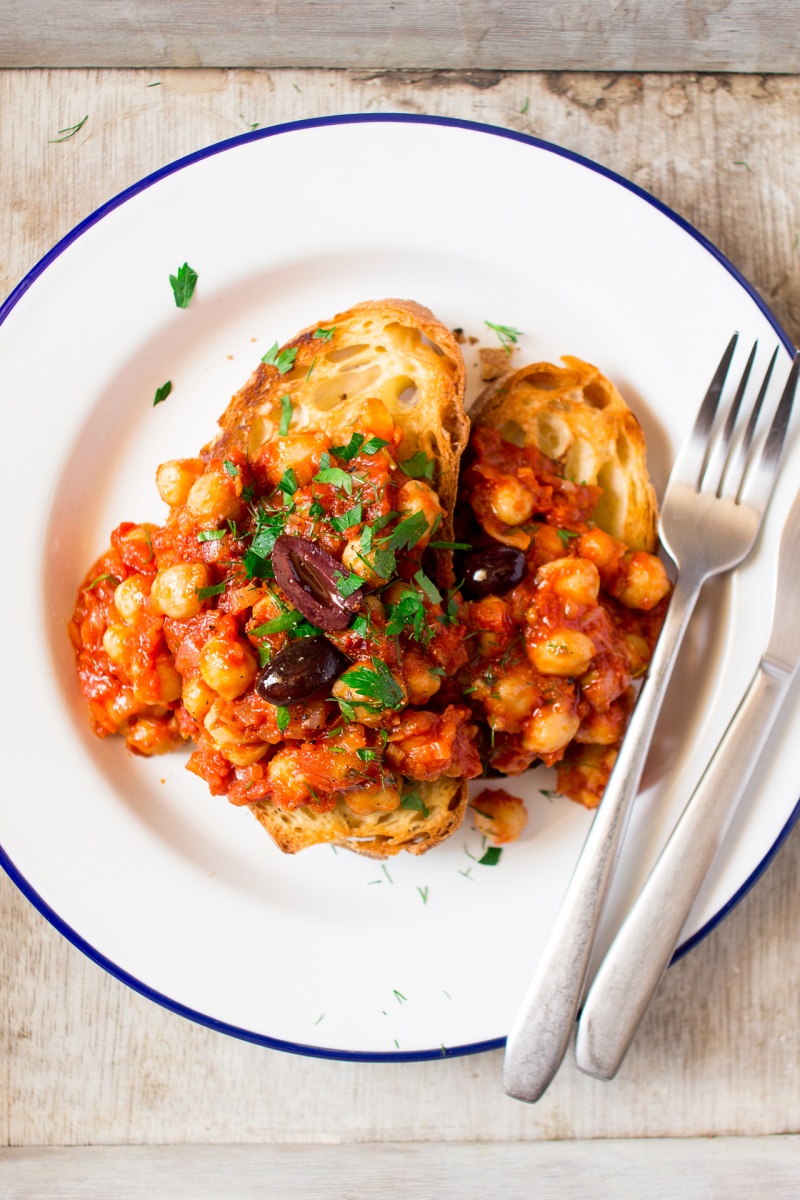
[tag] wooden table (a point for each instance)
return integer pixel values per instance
(86, 1062)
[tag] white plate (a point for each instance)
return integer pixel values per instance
(174, 891)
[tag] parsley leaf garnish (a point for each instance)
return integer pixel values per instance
(351, 449)
(282, 717)
(280, 624)
(491, 858)
(288, 484)
(367, 755)
(282, 359)
(506, 333)
(347, 584)
(566, 535)
(286, 415)
(353, 516)
(379, 685)
(373, 445)
(230, 467)
(325, 335)
(409, 612)
(100, 579)
(214, 589)
(414, 801)
(429, 587)
(406, 533)
(419, 466)
(162, 393)
(183, 285)
(450, 545)
(211, 535)
(336, 477)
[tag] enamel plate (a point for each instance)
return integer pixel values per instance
(178, 893)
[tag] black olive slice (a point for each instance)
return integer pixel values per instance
(307, 574)
(300, 670)
(493, 571)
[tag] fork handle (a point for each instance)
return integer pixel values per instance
(542, 1029)
(642, 949)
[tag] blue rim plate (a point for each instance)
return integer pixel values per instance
(477, 221)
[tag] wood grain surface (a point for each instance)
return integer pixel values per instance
(86, 1061)
(522, 35)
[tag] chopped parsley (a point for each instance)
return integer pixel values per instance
(282, 359)
(286, 415)
(183, 285)
(288, 484)
(287, 620)
(450, 545)
(407, 532)
(507, 334)
(367, 755)
(211, 535)
(491, 858)
(325, 335)
(315, 509)
(409, 612)
(162, 393)
(429, 587)
(230, 467)
(351, 449)
(282, 717)
(419, 466)
(566, 534)
(378, 685)
(335, 476)
(414, 801)
(214, 589)
(347, 584)
(373, 445)
(353, 516)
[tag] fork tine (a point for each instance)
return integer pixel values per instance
(757, 490)
(692, 459)
(733, 472)
(715, 470)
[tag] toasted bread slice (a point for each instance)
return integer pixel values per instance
(574, 415)
(398, 352)
(379, 835)
(392, 350)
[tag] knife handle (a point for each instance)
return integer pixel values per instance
(633, 967)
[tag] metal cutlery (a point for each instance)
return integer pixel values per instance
(640, 954)
(713, 507)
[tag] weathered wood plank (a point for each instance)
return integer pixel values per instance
(615, 35)
(84, 1060)
(710, 1169)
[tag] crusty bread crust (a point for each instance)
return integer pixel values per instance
(576, 416)
(398, 352)
(378, 835)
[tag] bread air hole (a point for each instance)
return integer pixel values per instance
(345, 352)
(327, 392)
(596, 395)
(399, 394)
(543, 381)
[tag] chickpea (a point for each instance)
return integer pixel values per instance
(644, 580)
(355, 560)
(563, 652)
(221, 730)
(422, 681)
(366, 714)
(512, 698)
(115, 643)
(152, 735)
(228, 667)
(377, 799)
(213, 497)
(286, 782)
(197, 698)
(246, 755)
(300, 451)
(574, 580)
(491, 616)
(499, 816)
(416, 496)
(550, 729)
(602, 549)
(174, 479)
(175, 589)
(510, 501)
(130, 598)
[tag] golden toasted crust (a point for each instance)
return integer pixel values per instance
(376, 836)
(576, 416)
(398, 352)
(393, 350)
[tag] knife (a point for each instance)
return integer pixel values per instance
(633, 967)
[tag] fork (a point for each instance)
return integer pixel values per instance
(712, 510)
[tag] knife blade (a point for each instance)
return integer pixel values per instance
(640, 954)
